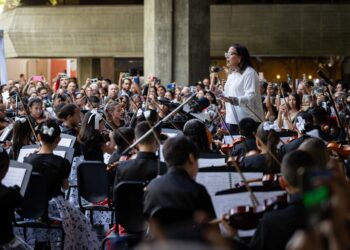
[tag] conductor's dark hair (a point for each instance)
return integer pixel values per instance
(292, 162)
(142, 128)
(177, 150)
(243, 52)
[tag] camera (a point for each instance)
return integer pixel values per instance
(215, 69)
(10, 113)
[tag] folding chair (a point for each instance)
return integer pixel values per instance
(93, 186)
(128, 204)
(35, 208)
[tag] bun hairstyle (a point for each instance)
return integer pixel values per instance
(49, 132)
(271, 139)
(67, 110)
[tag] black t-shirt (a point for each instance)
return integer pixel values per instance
(92, 149)
(9, 200)
(53, 167)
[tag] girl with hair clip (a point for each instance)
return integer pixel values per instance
(267, 140)
(93, 144)
(54, 168)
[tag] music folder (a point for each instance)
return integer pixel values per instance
(18, 174)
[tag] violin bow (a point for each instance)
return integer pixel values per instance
(158, 106)
(159, 122)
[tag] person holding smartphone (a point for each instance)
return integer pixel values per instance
(241, 92)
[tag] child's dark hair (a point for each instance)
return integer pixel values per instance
(35, 100)
(271, 139)
(4, 162)
(49, 132)
(122, 134)
(67, 110)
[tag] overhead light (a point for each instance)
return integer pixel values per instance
(278, 77)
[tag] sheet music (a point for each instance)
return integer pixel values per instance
(60, 153)
(218, 181)
(171, 135)
(6, 132)
(14, 177)
(25, 152)
(65, 142)
(207, 162)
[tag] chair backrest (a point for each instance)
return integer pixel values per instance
(128, 203)
(35, 202)
(93, 183)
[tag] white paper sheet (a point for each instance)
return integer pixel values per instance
(205, 162)
(25, 152)
(59, 153)
(65, 142)
(14, 177)
(218, 181)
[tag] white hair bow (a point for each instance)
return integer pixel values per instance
(48, 131)
(20, 119)
(300, 124)
(98, 118)
(271, 126)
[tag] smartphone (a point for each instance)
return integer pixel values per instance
(38, 78)
(316, 194)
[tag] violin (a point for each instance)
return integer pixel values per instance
(342, 150)
(294, 137)
(247, 217)
(226, 148)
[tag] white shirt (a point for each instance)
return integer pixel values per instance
(245, 87)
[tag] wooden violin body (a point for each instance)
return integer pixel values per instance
(342, 150)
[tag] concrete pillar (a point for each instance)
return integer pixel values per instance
(176, 39)
(108, 68)
(88, 68)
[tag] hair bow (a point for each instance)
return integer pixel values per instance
(300, 124)
(20, 119)
(48, 131)
(98, 118)
(271, 126)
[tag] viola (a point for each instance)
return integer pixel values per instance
(342, 150)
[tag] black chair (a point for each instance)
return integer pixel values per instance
(128, 204)
(35, 208)
(93, 186)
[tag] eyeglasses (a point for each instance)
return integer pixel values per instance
(227, 54)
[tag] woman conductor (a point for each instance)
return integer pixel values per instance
(241, 93)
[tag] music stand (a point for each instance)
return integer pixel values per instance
(18, 174)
